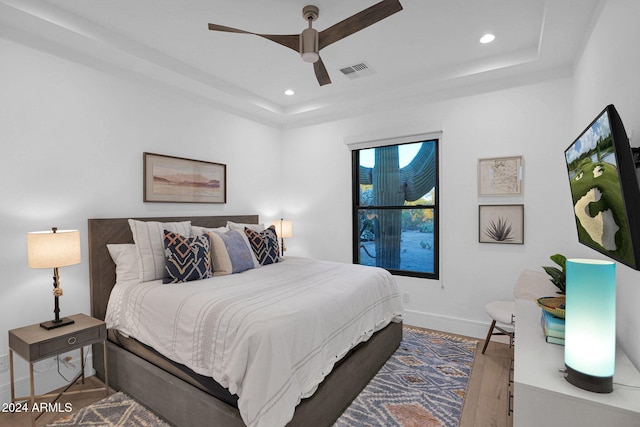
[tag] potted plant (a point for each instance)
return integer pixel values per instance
(556, 305)
(558, 276)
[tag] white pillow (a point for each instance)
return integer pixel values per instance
(149, 239)
(196, 230)
(240, 226)
(125, 257)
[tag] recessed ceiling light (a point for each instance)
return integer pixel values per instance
(487, 38)
(289, 92)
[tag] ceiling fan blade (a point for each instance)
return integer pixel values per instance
(359, 21)
(321, 72)
(216, 27)
(291, 40)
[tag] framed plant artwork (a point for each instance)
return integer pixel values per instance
(500, 176)
(501, 224)
(175, 179)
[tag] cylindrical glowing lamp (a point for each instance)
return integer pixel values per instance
(590, 324)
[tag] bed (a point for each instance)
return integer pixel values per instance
(182, 396)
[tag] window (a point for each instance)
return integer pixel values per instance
(395, 207)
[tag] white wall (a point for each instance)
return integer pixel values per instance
(531, 121)
(72, 140)
(608, 73)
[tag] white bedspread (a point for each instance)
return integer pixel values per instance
(269, 335)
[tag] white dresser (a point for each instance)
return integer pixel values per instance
(542, 397)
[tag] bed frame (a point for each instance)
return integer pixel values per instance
(183, 404)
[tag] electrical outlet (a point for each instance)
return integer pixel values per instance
(4, 363)
(405, 297)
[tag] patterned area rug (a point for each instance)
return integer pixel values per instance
(117, 410)
(422, 385)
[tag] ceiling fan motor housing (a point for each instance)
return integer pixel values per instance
(309, 49)
(309, 45)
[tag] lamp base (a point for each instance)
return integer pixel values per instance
(52, 324)
(589, 382)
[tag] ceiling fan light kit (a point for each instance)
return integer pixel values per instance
(310, 42)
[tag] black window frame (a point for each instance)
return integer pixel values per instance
(355, 168)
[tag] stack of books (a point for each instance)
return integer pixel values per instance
(553, 328)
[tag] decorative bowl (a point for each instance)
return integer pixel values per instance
(553, 305)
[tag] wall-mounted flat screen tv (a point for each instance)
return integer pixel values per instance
(604, 189)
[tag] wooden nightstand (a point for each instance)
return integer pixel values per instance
(34, 343)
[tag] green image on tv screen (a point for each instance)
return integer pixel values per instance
(596, 190)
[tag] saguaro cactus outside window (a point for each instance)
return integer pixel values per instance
(387, 191)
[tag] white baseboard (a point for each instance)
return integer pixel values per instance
(453, 325)
(46, 377)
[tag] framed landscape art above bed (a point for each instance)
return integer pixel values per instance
(176, 179)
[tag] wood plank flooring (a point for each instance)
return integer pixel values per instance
(485, 402)
(487, 396)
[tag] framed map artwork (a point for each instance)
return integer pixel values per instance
(500, 176)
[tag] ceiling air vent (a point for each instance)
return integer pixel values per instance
(356, 71)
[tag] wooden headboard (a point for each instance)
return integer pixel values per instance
(102, 270)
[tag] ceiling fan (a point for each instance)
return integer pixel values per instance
(310, 41)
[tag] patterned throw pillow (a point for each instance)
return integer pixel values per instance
(186, 258)
(264, 245)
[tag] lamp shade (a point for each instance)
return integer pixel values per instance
(49, 249)
(284, 228)
(590, 324)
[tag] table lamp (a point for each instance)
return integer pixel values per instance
(54, 249)
(590, 324)
(284, 229)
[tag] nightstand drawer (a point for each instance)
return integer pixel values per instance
(69, 341)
